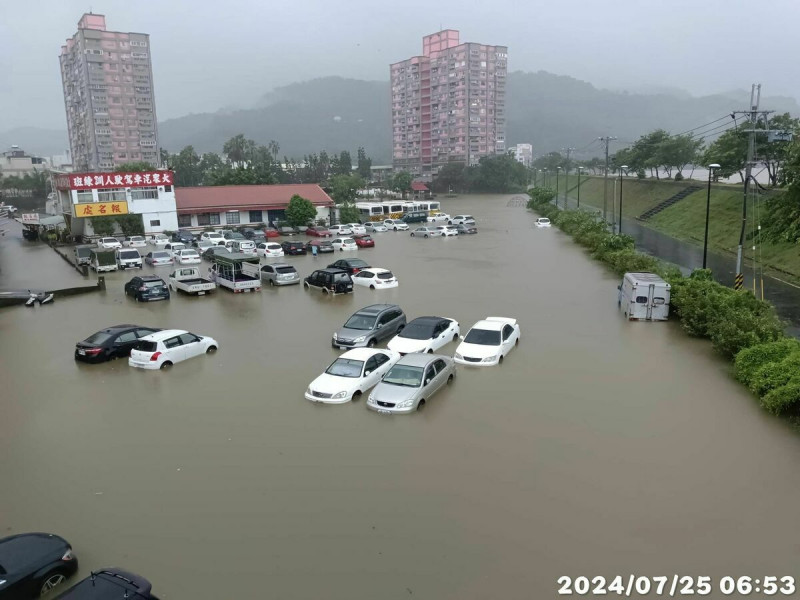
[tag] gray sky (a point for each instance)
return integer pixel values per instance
(208, 55)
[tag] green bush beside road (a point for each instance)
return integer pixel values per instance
(740, 327)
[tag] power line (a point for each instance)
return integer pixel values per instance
(703, 126)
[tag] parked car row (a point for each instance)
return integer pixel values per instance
(35, 564)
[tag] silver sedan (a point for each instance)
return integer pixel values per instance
(411, 382)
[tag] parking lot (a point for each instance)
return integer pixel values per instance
(509, 478)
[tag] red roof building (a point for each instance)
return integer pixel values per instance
(418, 186)
(244, 204)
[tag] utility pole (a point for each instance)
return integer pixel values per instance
(566, 174)
(606, 141)
(752, 117)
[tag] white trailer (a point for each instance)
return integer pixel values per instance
(644, 297)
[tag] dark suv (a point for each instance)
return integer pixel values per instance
(110, 584)
(293, 248)
(333, 281)
(370, 325)
(185, 237)
(147, 287)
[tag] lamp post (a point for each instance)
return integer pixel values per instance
(622, 168)
(544, 177)
(566, 183)
(711, 169)
(579, 186)
(558, 170)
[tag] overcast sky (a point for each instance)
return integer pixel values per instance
(213, 54)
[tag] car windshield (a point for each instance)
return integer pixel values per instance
(146, 346)
(544, 220)
(129, 254)
(418, 331)
(107, 240)
(366, 238)
(98, 338)
(404, 375)
(360, 322)
(484, 337)
(136, 238)
(153, 284)
(345, 367)
(286, 270)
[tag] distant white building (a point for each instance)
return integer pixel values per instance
(524, 154)
(15, 163)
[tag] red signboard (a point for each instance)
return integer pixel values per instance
(92, 181)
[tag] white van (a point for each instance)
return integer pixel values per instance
(644, 297)
(128, 258)
(243, 246)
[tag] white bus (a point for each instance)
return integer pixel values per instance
(370, 211)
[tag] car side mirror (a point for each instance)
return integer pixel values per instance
(461, 337)
(380, 325)
(367, 373)
(427, 381)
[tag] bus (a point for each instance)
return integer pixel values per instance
(370, 211)
(432, 207)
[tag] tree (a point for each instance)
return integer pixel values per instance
(235, 149)
(364, 165)
(729, 151)
(342, 164)
(452, 176)
(401, 182)
(348, 213)
(550, 161)
(210, 164)
(499, 174)
(776, 153)
(130, 224)
(300, 211)
(186, 165)
(344, 188)
(678, 151)
(103, 226)
(135, 166)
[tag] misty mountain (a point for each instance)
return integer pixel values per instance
(549, 111)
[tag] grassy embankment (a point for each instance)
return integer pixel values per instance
(685, 220)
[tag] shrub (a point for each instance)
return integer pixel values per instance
(697, 302)
(775, 374)
(743, 321)
(783, 399)
(751, 359)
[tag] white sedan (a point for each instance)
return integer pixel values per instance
(439, 218)
(269, 250)
(357, 228)
(214, 237)
(108, 243)
(187, 256)
(425, 334)
(343, 244)
(159, 240)
(376, 227)
(351, 375)
(165, 348)
(462, 220)
(396, 225)
(425, 232)
(447, 230)
(135, 241)
(375, 278)
(542, 222)
(488, 342)
(340, 230)
(174, 247)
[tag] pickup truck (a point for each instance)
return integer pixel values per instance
(237, 272)
(189, 281)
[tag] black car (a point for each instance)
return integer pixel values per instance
(351, 265)
(293, 248)
(110, 343)
(258, 237)
(247, 232)
(147, 287)
(323, 246)
(110, 584)
(185, 237)
(333, 281)
(210, 253)
(32, 564)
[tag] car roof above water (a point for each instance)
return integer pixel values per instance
(375, 309)
(419, 359)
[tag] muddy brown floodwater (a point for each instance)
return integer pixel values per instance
(599, 447)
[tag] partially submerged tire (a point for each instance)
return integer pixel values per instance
(51, 581)
(166, 364)
(211, 349)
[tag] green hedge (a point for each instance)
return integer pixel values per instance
(740, 326)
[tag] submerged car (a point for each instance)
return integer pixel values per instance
(351, 265)
(426, 232)
(375, 278)
(322, 246)
(330, 281)
(364, 241)
(145, 288)
(269, 250)
(187, 256)
(396, 225)
(351, 375)
(165, 348)
(447, 230)
(466, 229)
(425, 334)
(159, 258)
(159, 240)
(108, 243)
(376, 227)
(462, 220)
(279, 274)
(488, 342)
(110, 584)
(214, 251)
(318, 231)
(542, 222)
(342, 244)
(370, 325)
(291, 248)
(33, 564)
(135, 241)
(340, 230)
(411, 382)
(110, 343)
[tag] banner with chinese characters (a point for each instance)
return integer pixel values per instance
(100, 209)
(93, 181)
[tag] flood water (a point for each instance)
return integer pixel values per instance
(599, 446)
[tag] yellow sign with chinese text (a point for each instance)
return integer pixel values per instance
(101, 209)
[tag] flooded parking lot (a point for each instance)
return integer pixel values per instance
(598, 447)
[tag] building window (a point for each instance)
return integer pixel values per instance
(167, 188)
(208, 219)
(232, 217)
(255, 216)
(156, 223)
(144, 193)
(184, 220)
(110, 195)
(85, 196)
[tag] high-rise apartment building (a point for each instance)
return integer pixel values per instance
(448, 105)
(108, 95)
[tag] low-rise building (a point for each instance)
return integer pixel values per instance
(16, 163)
(151, 194)
(235, 205)
(523, 153)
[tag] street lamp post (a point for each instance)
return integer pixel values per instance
(711, 169)
(579, 186)
(558, 169)
(566, 184)
(544, 177)
(621, 169)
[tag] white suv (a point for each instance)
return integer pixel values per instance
(109, 243)
(396, 225)
(214, 237)
(165, 348)
(439, 218)
(340, 230)
(462, 220)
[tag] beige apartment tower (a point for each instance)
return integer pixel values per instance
(448, 105)
(108, 96)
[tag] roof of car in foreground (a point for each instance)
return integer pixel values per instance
(376, 308)
(365, 353)
(162, 335)
(428, 320)
(419, 359)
